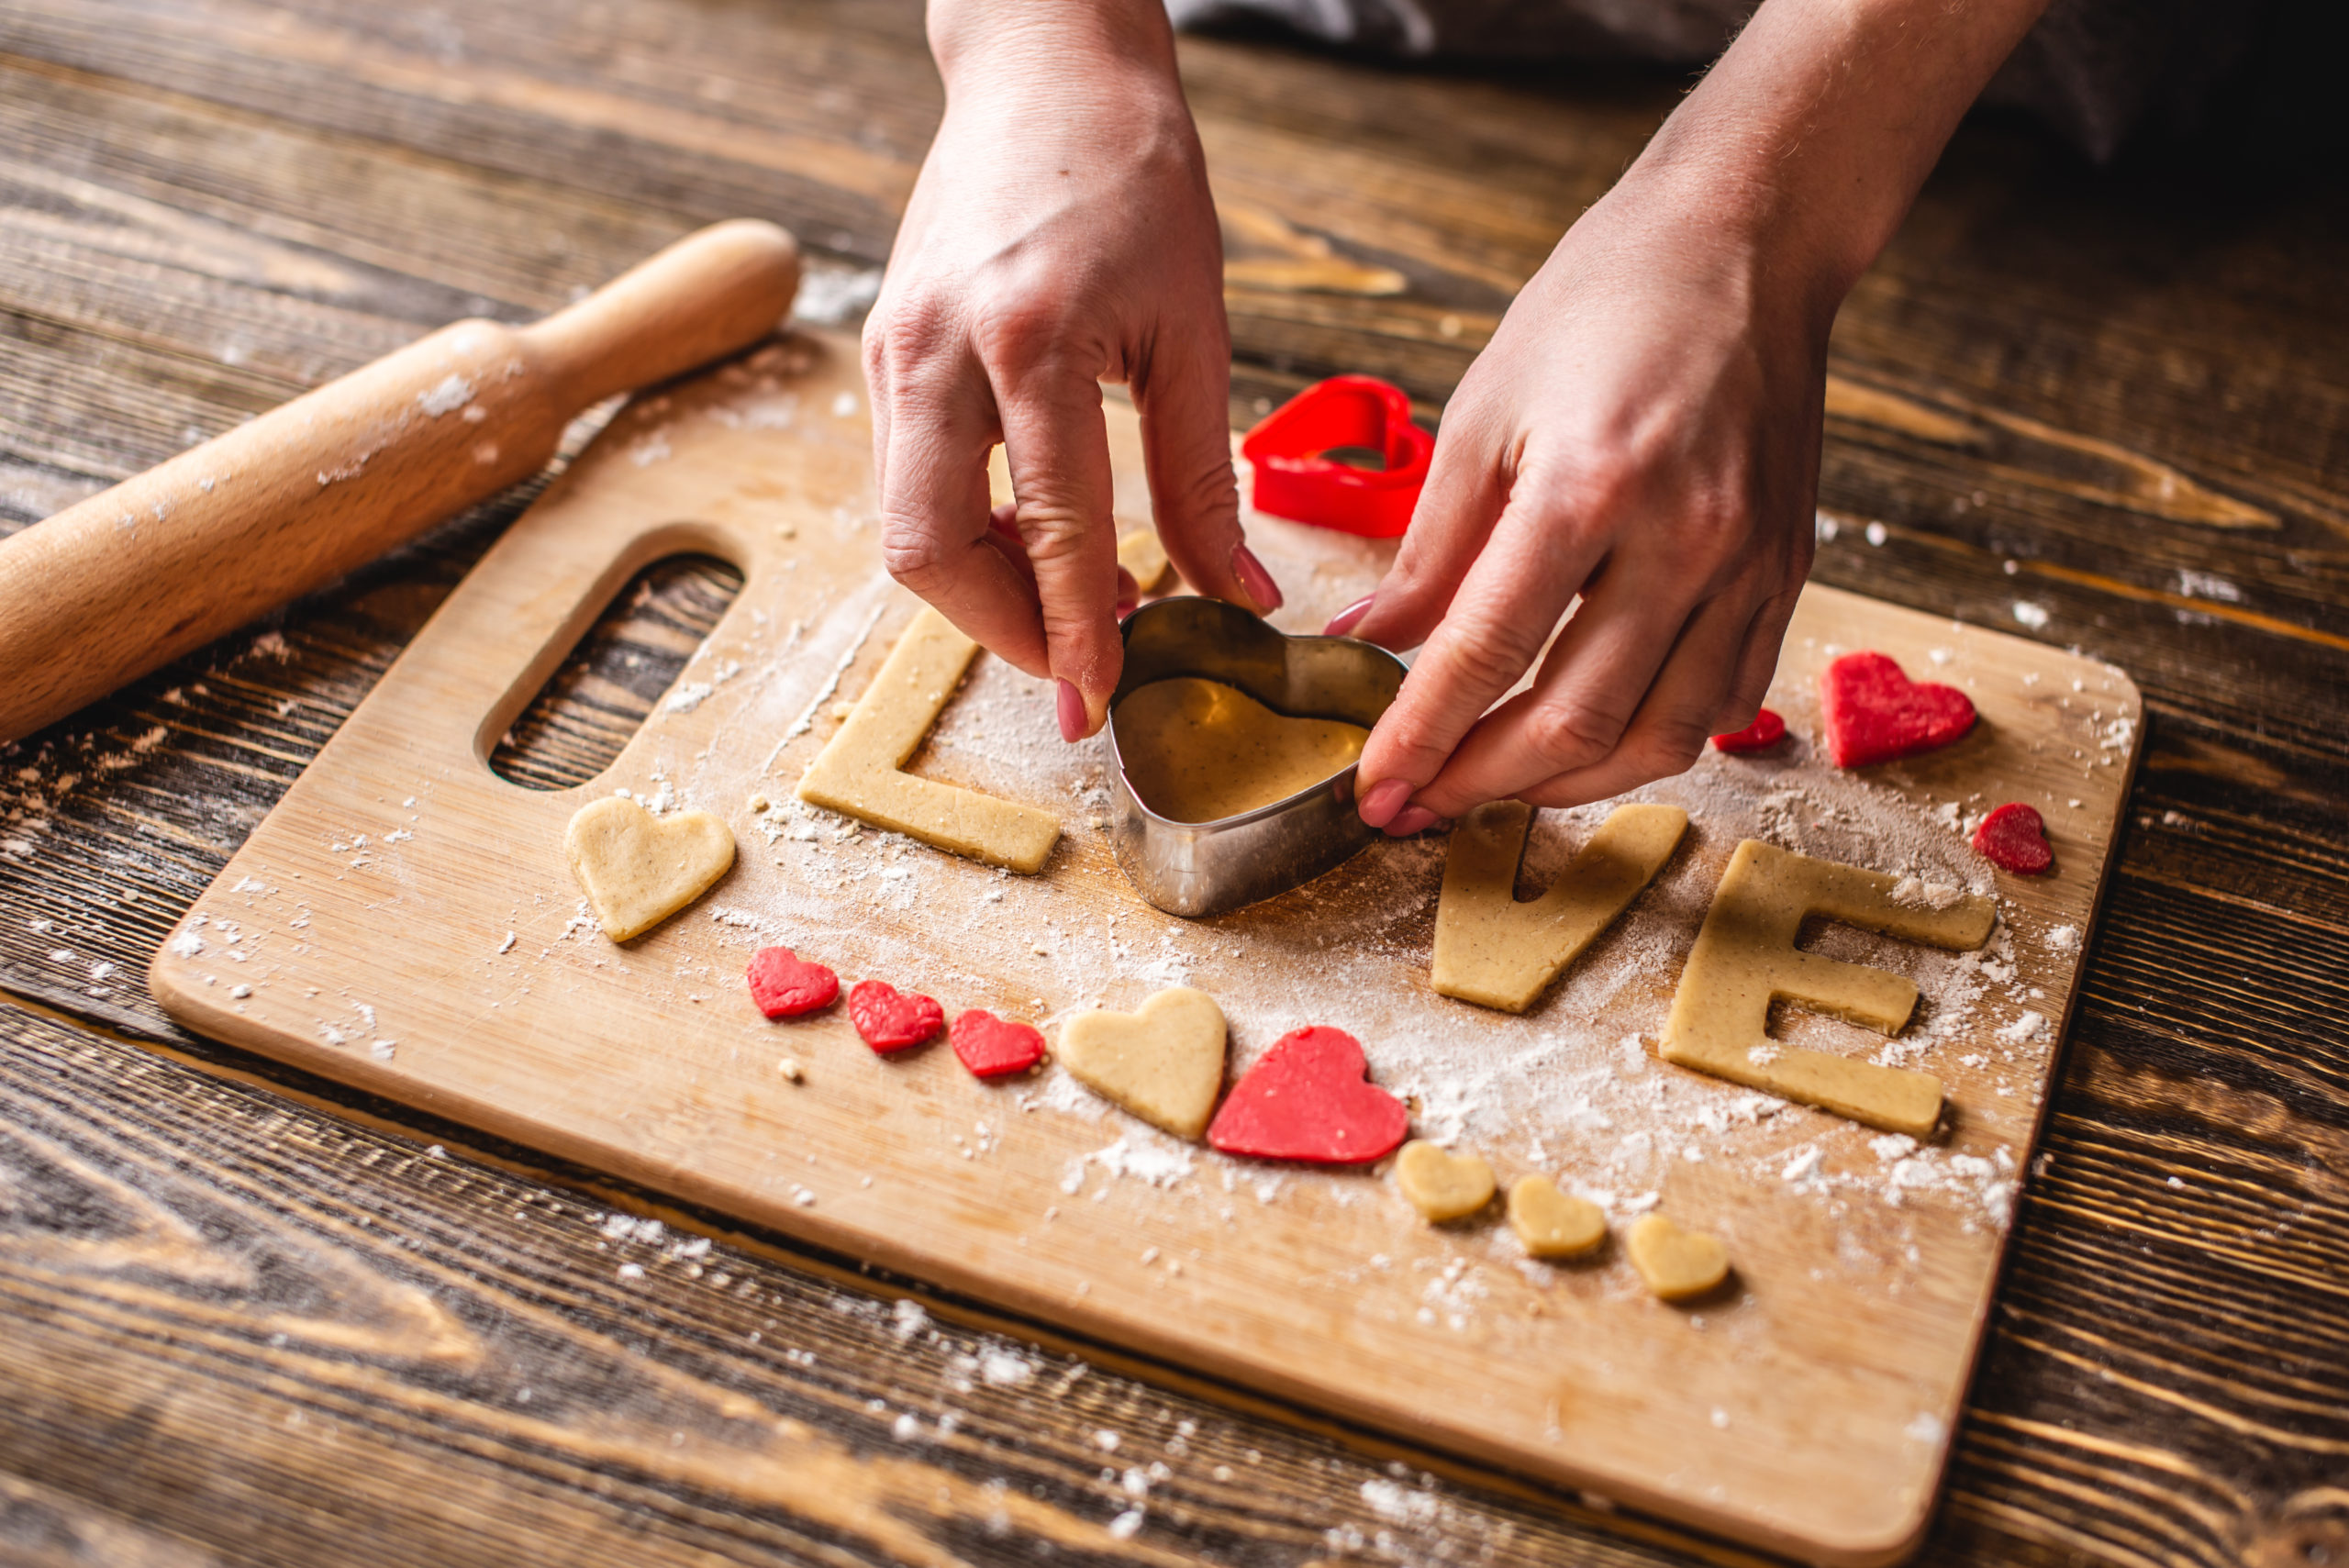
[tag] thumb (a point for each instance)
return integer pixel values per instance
(1185, 399)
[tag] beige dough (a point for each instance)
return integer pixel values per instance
(638, 869)
(858, 769)
(1198, 751)
(1491, 949)
(1550, 1223)
(1677, 1265)
(1745, 959)
(1441, 1185)
(1164, 1063)
(1139, 552)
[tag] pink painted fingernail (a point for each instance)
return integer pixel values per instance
(1412, 819)
(1255, 580)
(1072, 712)
(1345, 620)
(1382, 800)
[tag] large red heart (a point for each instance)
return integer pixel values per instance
(785, 985)
(890, 1021)
(992, 1047)
(1310, 1098)
(1874, 713)
(2014, 838)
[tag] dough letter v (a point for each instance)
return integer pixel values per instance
(1745, 959)
(1491, 949)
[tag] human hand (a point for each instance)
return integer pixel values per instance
(1061, 235)
(1642, 431)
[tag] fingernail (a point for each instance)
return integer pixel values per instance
(1345, 620)
(1125, 607)
(1255, 580)
(1413, 819)
(1072, 712)
(1382, 800)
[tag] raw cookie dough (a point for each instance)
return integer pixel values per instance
(1491, 949)
(1198, 751)
(857, 771)
(638, 869)
(1164, 1063)
(1552, 1224)
(1677, 1265)
(1745, 959)
(1139, 552)
(1441, 1185)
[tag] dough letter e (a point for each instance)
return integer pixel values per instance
(1745, 959)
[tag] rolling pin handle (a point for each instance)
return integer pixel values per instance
(706, 295)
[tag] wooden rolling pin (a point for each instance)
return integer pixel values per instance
(108, 590)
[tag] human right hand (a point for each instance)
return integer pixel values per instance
(1061, 235)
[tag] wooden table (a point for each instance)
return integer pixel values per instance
(252, 1318)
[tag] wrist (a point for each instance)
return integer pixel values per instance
(1037, 42)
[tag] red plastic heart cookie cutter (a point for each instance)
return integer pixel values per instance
(1296, 478)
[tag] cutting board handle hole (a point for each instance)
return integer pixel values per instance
(617, 674)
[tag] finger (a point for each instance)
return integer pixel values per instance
(1757, 662)
(935, 537)
(1466, 489)
(1673, 721)
(1184, 395)
(1504, 610)
(1058, 448)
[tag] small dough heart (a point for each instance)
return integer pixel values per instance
(891, 1020)
(1552, 1224)
(638, 869)
(785, 985)
(1873, 713)
(2014, 838)
(1164, 1063)
(992, 1047)
(1767, 729)
(1442, 1186)
(1677, 1265)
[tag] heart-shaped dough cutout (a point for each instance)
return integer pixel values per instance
(1164, 1063)
(1677, 1265)
(1552, 1224)
(2014, 838)
(1874, 713)
(1310, 1098)
(890, 1019)
(1200, 751)
(992, 1047)
(1440, 1184)
(638, 869)
(785, 985)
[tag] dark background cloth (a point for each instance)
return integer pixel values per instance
(2103, 75)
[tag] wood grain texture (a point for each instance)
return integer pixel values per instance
(2163, 1381)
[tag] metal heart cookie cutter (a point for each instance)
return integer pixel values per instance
(1196, 869)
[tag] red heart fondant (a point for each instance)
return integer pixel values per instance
(1874, 713)
(1767, 729)
(1310, 1098)
(890, 1021)
(785, 985)
(991, 1046)
(2015, 838)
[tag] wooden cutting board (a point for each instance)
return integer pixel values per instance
(405, 922)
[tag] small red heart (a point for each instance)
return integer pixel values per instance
(992, 1047)
(1767, 729)
(785, 985)
(1874, 713)
(2014, 838)
(1310, 1098)
(890, 1021)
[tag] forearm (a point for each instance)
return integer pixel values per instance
(1812, 133)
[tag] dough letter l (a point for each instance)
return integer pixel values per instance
(1745, 959)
